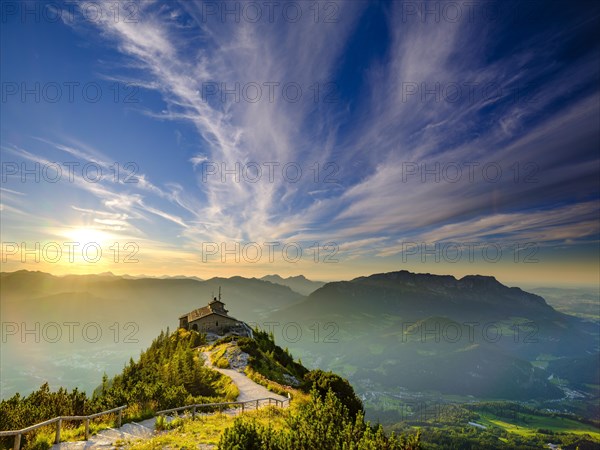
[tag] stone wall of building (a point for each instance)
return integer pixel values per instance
(212, 323)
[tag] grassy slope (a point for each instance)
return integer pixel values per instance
(208, 429)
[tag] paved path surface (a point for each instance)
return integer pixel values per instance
(107, 438)
(249, 390)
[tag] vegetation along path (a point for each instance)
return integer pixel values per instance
(249, 390)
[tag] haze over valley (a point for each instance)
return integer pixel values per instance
(393, 335)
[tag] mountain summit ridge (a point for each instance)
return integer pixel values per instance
(477, 289)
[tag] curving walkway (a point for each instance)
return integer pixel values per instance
(249, 390)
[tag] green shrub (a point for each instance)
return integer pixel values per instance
(41, 442)
(162, 423)
(244, 434)
(325, 381)
(321, 423)
(222, 363)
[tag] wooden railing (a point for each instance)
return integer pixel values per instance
(220, 406)
(59, 421)
(119, 411)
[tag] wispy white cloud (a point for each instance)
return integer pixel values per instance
(371, 136)
(237, 131)
(10, 191)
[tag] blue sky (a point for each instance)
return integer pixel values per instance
(453, 124)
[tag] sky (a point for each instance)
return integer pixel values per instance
(331, 139)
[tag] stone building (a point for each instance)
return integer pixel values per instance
(214, 318)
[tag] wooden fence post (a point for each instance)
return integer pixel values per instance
(17, 445)
(87, 429)
(58, 424)
(119, 418)
(194, 412)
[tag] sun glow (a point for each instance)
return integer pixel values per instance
(87, 235)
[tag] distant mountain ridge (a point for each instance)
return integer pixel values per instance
(419, 295)
(122, 313)
(158, 300)
(137, 277)
(368, 328)
(299, 283)
(437, 332)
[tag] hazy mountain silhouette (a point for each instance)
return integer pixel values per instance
(429, 332)
(154, 301)
(299, 283)
(390, 330)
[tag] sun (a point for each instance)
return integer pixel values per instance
(85, 235)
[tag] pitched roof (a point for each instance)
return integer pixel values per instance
(203, 312)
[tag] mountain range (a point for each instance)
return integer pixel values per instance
(386, 332)
(71, 329)
(299, 283)
(468, 336)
